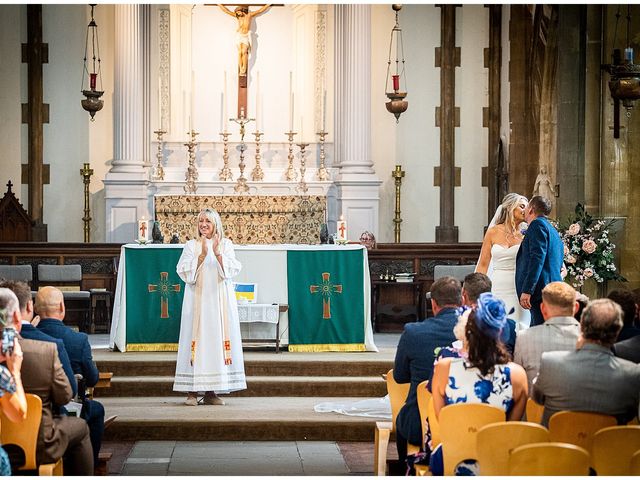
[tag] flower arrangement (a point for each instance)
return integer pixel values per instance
(588, 250)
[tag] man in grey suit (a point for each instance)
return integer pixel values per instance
(590, 378)
(559, 331)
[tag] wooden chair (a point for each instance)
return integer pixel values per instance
(397, 396)
(25, 436)
(635, 464)
(613, 448)
(578, 428)
(552, 458)
(459, 425)
(495, 441)
(534, 411)
(424, 399)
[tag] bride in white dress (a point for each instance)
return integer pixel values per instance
(498, 255)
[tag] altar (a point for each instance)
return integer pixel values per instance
(326, 287)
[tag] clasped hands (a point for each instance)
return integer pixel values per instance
(216, 246)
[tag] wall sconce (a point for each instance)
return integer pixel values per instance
(396, 104)
(91, 70)
(625, 77)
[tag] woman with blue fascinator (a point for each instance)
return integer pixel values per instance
(484, 375)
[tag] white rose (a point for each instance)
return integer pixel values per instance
(588, 272)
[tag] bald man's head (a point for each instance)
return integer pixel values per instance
(50, 303)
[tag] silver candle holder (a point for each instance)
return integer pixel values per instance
(157, 172)
(192, 171)
(241, 184)
(302, 185)
(323, 173)
(290, 175)
(225, 173)
(257, 175)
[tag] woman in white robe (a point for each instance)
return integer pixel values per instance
(210, 349)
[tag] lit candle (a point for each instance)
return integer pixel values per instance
(291, 101)
(342, 229)
(143, 230)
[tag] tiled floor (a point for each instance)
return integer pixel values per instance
(234, 458)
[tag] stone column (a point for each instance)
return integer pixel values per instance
(356, 182)
(126, 184)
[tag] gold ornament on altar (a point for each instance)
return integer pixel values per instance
(397, 103)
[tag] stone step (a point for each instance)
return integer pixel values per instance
(287, 365)
(257, 386)
(242, 418)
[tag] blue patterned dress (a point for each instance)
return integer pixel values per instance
(467, 385)
(7, 385)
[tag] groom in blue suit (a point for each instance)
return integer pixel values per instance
(539, 259)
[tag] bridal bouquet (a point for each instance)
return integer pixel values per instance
(588, 250)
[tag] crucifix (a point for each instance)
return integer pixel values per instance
(244, 16)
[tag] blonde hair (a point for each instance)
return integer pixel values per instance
(214, 217)
(509, 203)
(560, 295)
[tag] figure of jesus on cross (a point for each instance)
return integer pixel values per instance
(243, 33)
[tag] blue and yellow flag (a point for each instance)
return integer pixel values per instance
(326, 300)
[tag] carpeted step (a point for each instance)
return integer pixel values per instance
(242, 418)
(135, 365)
(257, 386)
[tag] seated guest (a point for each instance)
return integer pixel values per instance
(50, 306)
(486, 376)
(29, 331)
(13, 402)
(627, 302)
(416, 353)
(368, 239)
(628, 349)
(583, 301)
(476, 283)
(559, 331)
(42, 375)
(590, 378)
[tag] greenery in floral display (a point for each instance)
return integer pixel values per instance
(588, 250)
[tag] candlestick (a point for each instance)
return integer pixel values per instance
(290, 174)
(323, 173)
(257, 175)
(157, 173)
(225, 174)
(397, 174)
(86, 173)
(302, 185)
(192, 171)
(241, 184)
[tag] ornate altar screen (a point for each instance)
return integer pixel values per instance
(257, 219)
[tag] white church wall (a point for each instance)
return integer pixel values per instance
(414, 142)
(472, 36)
(12, 94)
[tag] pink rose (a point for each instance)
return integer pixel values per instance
(589, 246)
(570, 259)
(588, 272)
(574, 229)
(566, 250)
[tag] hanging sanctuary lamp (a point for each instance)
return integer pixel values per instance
(624, 84)
(397, 103)
(91, 72)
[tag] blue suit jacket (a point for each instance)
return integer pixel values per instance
(539, 259)
(414, 363)
(32, 333)
(78, 348)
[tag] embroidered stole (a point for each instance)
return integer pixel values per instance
(197, 312)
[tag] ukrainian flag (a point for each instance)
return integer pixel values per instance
(246, 291)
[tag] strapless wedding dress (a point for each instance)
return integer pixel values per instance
(503, 281)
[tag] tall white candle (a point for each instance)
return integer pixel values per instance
(301, 128)
(291, 101)
(324, 111)
(258, 102)
(221, 111)
(225, 116)
(193, 95)
(160, 103)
